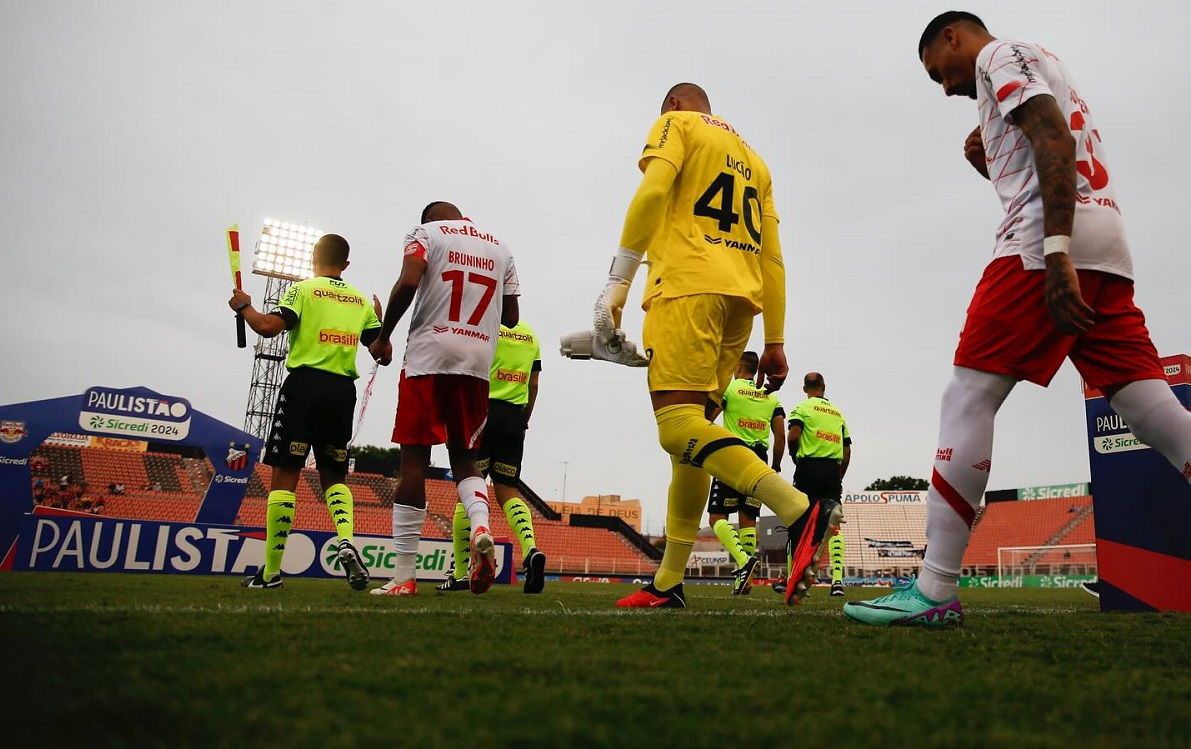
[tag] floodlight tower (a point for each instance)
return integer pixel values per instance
(283, 256)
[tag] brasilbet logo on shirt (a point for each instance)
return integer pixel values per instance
(509, 375)
(751, 424)
(338, 338)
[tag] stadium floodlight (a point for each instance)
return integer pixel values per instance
(284, 250)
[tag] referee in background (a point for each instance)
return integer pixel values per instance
(821, 448)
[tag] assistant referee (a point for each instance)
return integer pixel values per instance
(327, 320)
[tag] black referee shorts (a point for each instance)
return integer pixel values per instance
(819, 478)
(314, 410)
(503, 443)
(725, 500)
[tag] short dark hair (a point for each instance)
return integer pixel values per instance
(331, 249)
(813, 380)
(430, 207)
(942, 21)
(750, 361)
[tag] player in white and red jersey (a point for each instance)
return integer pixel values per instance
(466, 286)
(1060, 285)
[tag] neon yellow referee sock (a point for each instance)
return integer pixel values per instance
(521, 521)
(279, 519)
(727, 536)
(341, 505)
(461, 540)
(748, 540)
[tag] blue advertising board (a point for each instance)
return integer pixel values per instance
(1142, 509)
(136, 413)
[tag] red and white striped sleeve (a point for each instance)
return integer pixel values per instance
(1013, 73)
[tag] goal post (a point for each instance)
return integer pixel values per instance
(1068, 559)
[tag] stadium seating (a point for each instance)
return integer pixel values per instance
(1022, 523)
(882, 536)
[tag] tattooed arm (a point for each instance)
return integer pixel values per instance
(1043, 124)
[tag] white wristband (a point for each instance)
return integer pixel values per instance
(624, 265)
(1057, 243)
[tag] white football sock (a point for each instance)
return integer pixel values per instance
(1157, 418)
(473, 493)
(962, 465)
(407, 532)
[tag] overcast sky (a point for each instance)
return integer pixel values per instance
(133, 134)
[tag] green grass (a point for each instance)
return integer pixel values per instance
(139, 660)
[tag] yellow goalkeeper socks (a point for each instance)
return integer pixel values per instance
(686, 434)
(687, 496)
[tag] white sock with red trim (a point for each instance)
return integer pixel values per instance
(473, 493)
(962, 465)
(407, 532)
(1157, 418)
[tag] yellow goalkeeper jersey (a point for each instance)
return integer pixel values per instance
(710, 240)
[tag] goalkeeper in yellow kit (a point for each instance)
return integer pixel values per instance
(704, 214)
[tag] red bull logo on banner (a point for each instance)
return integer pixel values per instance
(12, 432)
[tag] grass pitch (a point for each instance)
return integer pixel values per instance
(179, 661)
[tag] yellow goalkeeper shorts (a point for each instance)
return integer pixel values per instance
(695, 342)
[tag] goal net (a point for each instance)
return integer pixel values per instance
(1059, 559)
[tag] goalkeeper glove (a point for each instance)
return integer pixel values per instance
(608, 341)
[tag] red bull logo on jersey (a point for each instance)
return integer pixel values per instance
(468, 231)
(338, 338)
(751, 424)
(510, 375)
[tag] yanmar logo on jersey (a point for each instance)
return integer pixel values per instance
(751, 424)
(468, 231)
(511, 375)
(467, 333)
(338, 338)
(123, 413)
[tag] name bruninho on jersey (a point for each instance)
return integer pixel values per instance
(470, 261)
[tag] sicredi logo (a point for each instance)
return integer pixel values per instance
(1120, 443)
(126, 414)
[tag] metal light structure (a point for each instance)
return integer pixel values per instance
(283, 256)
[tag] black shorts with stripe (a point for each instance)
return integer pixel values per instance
(503, 444)
(314, 411)
(725, 500)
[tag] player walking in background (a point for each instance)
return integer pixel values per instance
(466, 287)
(513, 390)
(1061, 249)
(327, 319)
(749, 413)
(821, 448)
(704, 212)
